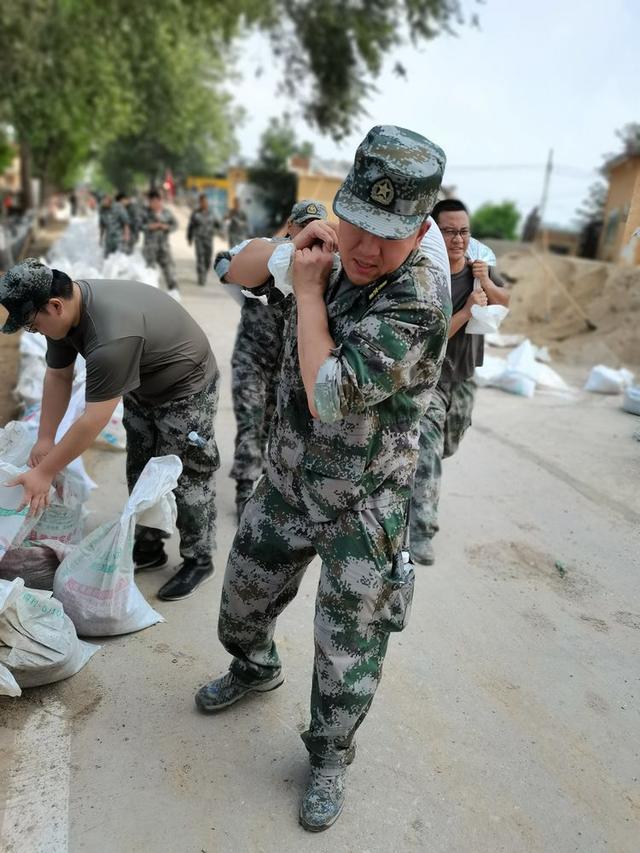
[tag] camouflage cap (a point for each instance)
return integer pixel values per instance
(306, 210)
(393, 184)
(24, 289)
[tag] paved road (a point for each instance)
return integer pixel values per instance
(507, 719)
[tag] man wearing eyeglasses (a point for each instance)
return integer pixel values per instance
(449, 413)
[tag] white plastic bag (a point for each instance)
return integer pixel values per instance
(485, 319)
(631, 400)
(606, 380)
(38, 643)
(96, 582)
(63, 518)
(15, 524)
(520, 373)
(8, 685)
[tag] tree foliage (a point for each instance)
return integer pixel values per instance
(141, 85)
(629, 136)
(592, 208)
(7, 150)
(271, 174)
(499, 221)
(333, 50)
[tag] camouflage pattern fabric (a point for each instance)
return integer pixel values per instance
(237, 225)
(156, 249)
(255, 367)
(163, 429)
(307, 209)
(393, 184)
(113, 220)
(136, 219)
(202, 226)
(441, 430)
(339, 489)
(24, 289)
(273, 547)
(362, 450)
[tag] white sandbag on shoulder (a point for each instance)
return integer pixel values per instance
(607, 380)
(96, 581)
(38, 643)
(485, 319)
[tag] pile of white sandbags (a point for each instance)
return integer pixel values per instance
(522, 373)
(79, 253)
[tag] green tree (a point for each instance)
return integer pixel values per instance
(271, 174)
(143, 82)
(7, 150)
(499, 221)
(333, 50)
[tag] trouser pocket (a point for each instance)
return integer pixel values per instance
(393, 607)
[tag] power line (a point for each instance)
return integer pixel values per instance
(565, 171)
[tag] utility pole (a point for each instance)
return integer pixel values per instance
(545, 185)
(544, 235)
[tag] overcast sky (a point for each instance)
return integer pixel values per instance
(535, 76)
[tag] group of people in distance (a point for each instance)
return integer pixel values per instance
(373, 380)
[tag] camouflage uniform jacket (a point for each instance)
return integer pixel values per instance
(158, 239)
(362, 450)
(202, 225)
(112, 222)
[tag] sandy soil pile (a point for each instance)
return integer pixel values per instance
(608, 294)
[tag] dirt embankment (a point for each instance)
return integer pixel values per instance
(608, 294)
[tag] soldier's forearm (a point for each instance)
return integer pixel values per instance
(249, 267)
(315, 343)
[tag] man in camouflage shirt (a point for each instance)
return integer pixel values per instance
(136, 215)
(158, 224)
(255, 363)
(362, 354)
(114, 225)
(237, 224)
(201, 228)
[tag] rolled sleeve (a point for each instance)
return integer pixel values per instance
(326, 392)
(395, 347)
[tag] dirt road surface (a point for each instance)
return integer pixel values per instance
(508, 715)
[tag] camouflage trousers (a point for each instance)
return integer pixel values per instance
(113, 244)
(160, 256)
(273, 546)
(163, 429)
(255, 368)
(441, 430)
(204, 254)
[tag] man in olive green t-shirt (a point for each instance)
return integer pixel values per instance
(142, 347)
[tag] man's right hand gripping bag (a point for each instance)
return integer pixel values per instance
(95, 583)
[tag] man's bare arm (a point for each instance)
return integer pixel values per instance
(56, 394)
(37, 481)
(249, 267)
